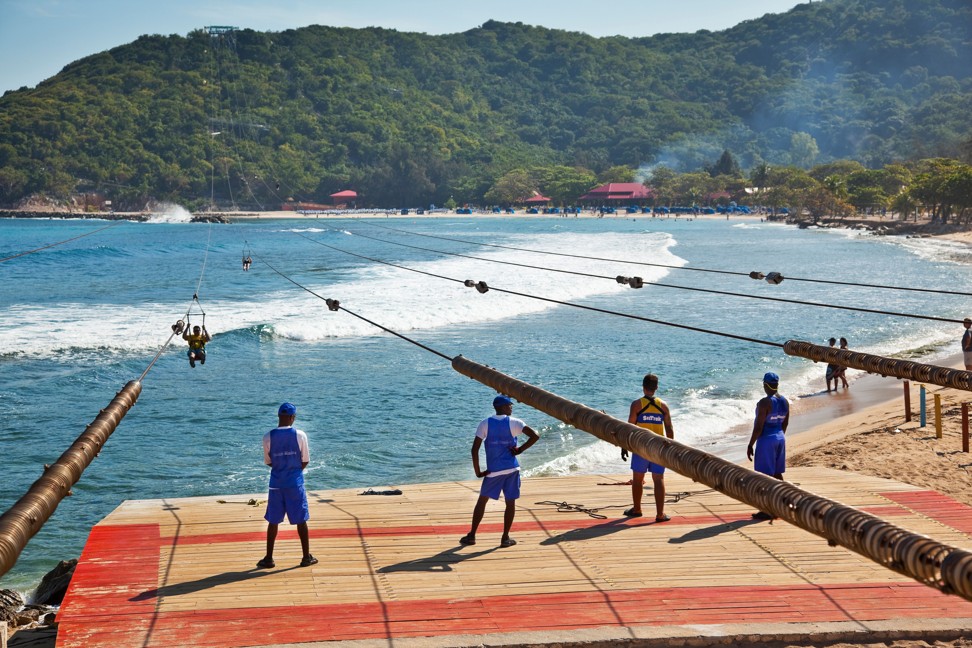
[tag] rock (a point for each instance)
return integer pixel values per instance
(27, 616)
(11, 599)
(9, 615)
(55, 583)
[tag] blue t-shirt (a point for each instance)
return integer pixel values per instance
(286, 458)
(773, 424)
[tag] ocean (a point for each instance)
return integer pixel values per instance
(80, 320)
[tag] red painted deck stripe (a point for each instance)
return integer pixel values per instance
(650, 607)
(938, 507)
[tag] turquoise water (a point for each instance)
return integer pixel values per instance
(80, 320)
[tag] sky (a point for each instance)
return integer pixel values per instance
(39, 37)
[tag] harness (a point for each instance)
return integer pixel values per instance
(651, 401)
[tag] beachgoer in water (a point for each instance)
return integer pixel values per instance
(832, 369)
(769, 434)
(967, 343)
(841, 369)
(652, 414)
(286, 451)
(197, 344)
(502, 475)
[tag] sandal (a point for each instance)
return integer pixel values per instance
(307, 561)
(662, 518)
(507, 542)
(266, 563)
(467, 540)
(631, 513)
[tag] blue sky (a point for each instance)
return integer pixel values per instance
(39, 37)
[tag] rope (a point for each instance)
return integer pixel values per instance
(673, 267)
(636, 282)
(482, 288)
(564, 507)
(73, 238)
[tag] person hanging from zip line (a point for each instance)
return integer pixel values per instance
(652, 414)
(197, 344)
(247, 261)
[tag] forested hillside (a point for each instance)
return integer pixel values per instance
(251, 119)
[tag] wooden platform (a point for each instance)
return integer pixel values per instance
(182, 572)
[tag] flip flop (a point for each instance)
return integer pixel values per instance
(307, 561)
(759, 515)
(467, 540)
(631, 513)
(266, 563)
(663, 518)
(508, 542)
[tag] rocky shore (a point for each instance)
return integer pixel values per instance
(38, 617)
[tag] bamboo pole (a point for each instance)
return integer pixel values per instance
(25, 518)
(938, 416)
(946, 568)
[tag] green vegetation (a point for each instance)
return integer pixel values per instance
(250, 119)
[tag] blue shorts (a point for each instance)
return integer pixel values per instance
(508, 484)
(770, 455)
(292, 501)
(641, 465)
(200, 353)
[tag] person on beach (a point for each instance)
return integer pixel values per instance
(841, 372)
(197, 344)
(967, 343)
(769, 434)
(502, 475)
(286, 451)
(832, 369)
(652, 414)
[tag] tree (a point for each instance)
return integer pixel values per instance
(726, 166)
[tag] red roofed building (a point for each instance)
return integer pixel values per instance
(622, 192)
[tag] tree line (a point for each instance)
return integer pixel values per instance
(251, 119)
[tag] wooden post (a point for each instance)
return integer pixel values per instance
(3, 634)
(938, 416)
(921, 406)
(965, 427)
(907, 394)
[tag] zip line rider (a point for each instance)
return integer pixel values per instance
(197, 344)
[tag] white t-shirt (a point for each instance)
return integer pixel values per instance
(516, 428)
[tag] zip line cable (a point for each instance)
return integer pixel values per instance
(73, 238)
(482, 288)
(638, 284)
(335, 305)
(671, 267)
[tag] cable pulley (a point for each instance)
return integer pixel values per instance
(478, 285)
(333, 304)
(634, 282)
(774, 278)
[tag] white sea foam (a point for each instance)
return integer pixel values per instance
(170, 213)
(404, 301)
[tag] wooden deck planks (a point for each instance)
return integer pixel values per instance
(181, 571)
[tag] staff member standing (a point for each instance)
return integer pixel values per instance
(769, 434)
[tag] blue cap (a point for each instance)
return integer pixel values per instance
(771, 378)
(501, 400)
(287, 409)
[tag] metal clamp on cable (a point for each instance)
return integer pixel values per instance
(478, 285)
(621, 280)
(774, 278)
(756, 275)
(333, 304)
(636, 282)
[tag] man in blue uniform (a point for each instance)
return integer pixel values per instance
(502, 475)
(769, 429)
(286, 451)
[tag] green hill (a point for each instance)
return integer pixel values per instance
(252, 118)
